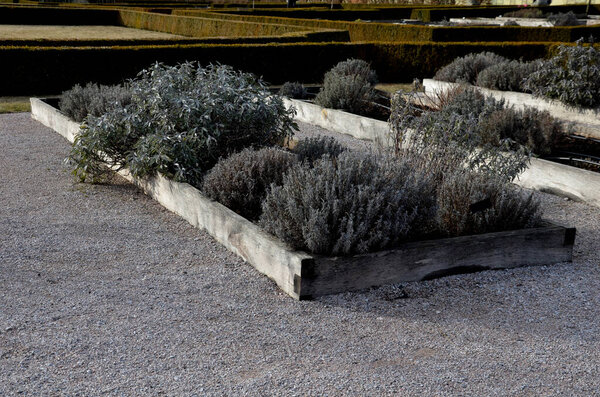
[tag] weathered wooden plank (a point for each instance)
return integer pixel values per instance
(427, 259)
(341, 122)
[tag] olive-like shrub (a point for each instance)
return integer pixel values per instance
(466, 69)
(349, 85)
(572, 76)
(181, 120)
(355, 203)
(312, 149)
(472, 203)
(293, 90)
(93, 99)
(240, 181)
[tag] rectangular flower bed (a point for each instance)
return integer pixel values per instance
(589, 119)
(543, 175)
(304, 276)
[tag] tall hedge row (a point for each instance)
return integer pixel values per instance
(11, 15)
(42, 70)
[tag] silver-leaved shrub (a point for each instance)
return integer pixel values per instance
(355, 203)
(572, 76)
(349, 85)
(240, 181)
(182, 119)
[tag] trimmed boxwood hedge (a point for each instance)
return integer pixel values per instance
(35, 70)
(361, 31)
(202, 27)
(10, 15)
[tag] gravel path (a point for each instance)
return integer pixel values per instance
(103, 292)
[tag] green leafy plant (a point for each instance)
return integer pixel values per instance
(350, 85)
(240, 181)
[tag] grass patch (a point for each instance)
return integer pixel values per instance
(15, 107)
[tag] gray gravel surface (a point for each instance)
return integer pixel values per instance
(103, 292)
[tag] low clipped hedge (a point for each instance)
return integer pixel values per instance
(36, 70)
(57, 16)
(361, 31)
(563, 34)
(202, 27)
(334, 15)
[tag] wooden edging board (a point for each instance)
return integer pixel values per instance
(543, 175)
(341, 122)
(588, 120)
(304, 276)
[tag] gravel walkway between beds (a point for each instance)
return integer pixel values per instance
(103, 292)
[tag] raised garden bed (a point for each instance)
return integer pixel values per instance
(543, 175)
(303, 276)
(588, 120)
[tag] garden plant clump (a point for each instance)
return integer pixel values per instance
(564, 19)
(240, 181)
(349, 85)
(312, 149)
(503, 207)
(222, 131)
(357, 203)
(466, 69)
(507, 76)
(93, 99)
(294, 90)
(180, 121)
(528, 12)
(572, 76)
(471, 120)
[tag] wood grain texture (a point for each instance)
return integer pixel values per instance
(430, 259)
